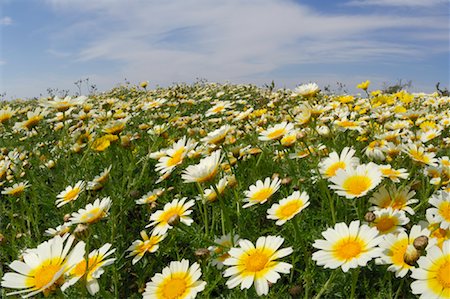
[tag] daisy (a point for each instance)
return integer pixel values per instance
(64, 104)
(356, 182)
(288, 207)
(33, 118)
(178, 208)
(92, 212)
(347, 246)
(276, 132)
(59, 230)
(174, 156)
(397, 199)
(346, 124)
(17, 189)
(306, 90)
(393, 174)
(177, 281)
(91, 269)
(260, 192)
(220, 251)
(42, 268)
(150, 197)
(139, 248)
(217, 136)
(6, 114)
(257, 264)
(70, 194)
(433, 274)
(219, 107)
(441, 211)
(389, 221)
(99, 180)
(204, 171)
(395, 247)
(333, 162)
(418, 154)
(210, 195)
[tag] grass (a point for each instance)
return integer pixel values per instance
(58, 137)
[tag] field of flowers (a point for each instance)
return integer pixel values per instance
(226, 191)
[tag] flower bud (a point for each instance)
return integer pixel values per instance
(81, 231)
(370, 216)
(411, 255)
(420, 243)
(202, 253)
(174, 220)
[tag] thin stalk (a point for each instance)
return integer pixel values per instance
(355, 275)
(327, 283)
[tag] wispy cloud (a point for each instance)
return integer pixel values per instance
(236, 40)
(5, 21)
(400, 3)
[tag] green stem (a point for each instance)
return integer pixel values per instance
(325, 286)
(205, 208)
(296, 229)
(399, 289)
(355, 275)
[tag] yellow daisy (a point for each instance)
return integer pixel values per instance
(433, 274)
(70, 194)
(389, 221)
(148, 244)
(333, 162)
(17, 189)
(396, 245)
(288, 207)
(257, 264)
(347, 246)
(204, 171)
(219, 252)
(276, 132)
(91, 269)
(441, 211)
(42, 268)
(261, 192)
(92, 212)
(177, 281)
(356, 182)
(177, 210)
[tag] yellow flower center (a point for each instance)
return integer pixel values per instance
(398, 251)
(218, 109)
(385, 224)
(347, 123)
(357, 184)
(33, 121)
(443, 275)
(71, 194)
(348, 249)
(276, 133)
(256, 261)
(18, 190)
(165, 217)
(93, 215)
(176, 158)
(43, 275)
(174, 288)
(290, 209)
(92, 265)
(444, 210)
(262, 194)
(331, 171)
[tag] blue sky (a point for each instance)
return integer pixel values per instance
(53, 43)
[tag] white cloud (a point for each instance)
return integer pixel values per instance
(5, 21)
(237, 40)
(402, 3)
